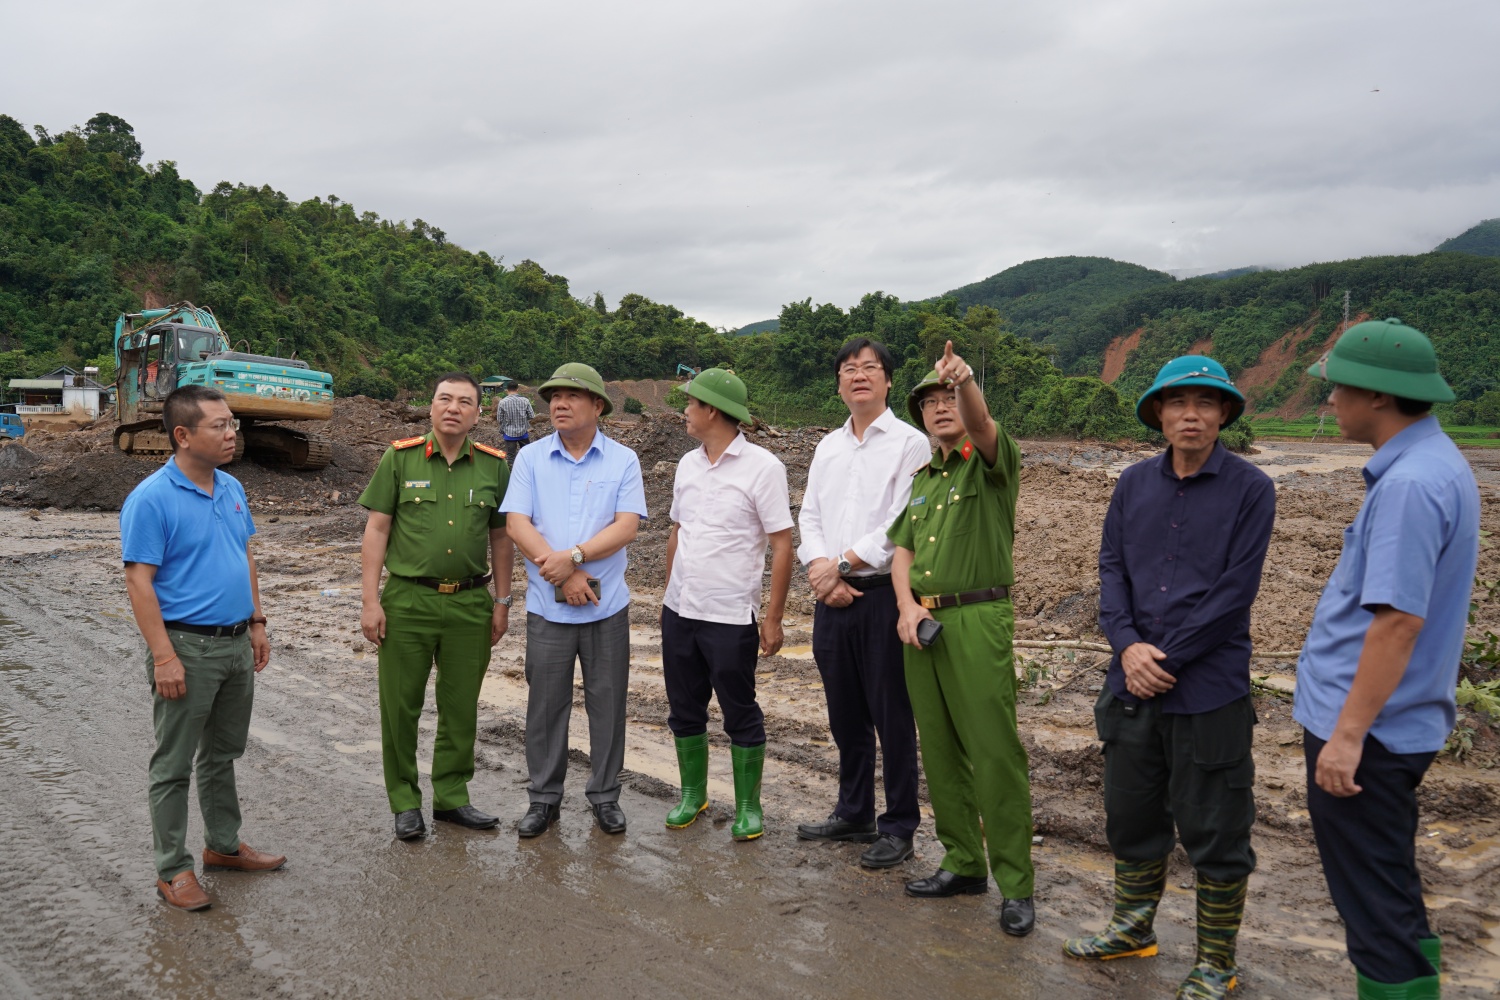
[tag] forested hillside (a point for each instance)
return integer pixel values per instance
(88, 232)
(1483, 239)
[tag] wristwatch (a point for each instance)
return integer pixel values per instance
(257, 619)
(577, 555)
(504, 600)
(844, 566)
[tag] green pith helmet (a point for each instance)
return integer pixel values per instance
(1190, 369)
(723, 390)
(914, 398)
(576, 375)
(1385, 355)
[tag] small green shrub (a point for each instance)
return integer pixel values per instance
(633, 405)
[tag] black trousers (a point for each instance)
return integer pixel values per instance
(864, 680)
(1194, 770)
(1367, 845)
(700, 658)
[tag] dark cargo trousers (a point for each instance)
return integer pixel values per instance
(963, 690)
(1196, 770)
(204, 731)
(423, 626)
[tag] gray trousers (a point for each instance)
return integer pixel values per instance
(602, 648)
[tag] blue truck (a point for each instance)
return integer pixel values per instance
(11, 426)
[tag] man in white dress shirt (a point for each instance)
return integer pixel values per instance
(860, 480)
(729, 498)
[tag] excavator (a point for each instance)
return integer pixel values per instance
(158, 350)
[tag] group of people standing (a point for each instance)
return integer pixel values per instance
(908, 550)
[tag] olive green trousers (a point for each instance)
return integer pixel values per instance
(423, 627)
(963, 694)
(204, 731)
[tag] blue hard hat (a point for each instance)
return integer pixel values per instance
(1191, 369)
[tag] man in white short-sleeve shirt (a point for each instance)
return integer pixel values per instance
(859, 481)
(729, 499)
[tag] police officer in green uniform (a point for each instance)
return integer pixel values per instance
(953, 566)
(434, 516)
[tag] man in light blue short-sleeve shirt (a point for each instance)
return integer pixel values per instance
(574, 502)
(1376, 679)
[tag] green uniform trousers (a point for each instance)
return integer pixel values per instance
(210, 722)
(963, 693)
(423, 626)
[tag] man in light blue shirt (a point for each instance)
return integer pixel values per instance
(574, 502)
(1377, 675)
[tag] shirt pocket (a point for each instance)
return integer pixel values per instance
(599, 497)
(959, 511)
(730, 509)
(1349, 574)
(480, 504)
(416, 507)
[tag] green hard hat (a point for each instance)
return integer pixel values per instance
(723, 390)
(576, 375)
(1385, 355)
(1190, 369)
(914, 398)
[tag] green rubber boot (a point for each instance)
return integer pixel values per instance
(1221, 907)
(692, 767)
(1138, 889)
(748, 763)
(1432, 950)
(1425, 988)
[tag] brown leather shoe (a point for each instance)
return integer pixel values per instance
(248, 860)
(183, 892)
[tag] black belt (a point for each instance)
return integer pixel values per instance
(970, 597)
(217, 631)
(449, 586)
(874, 580)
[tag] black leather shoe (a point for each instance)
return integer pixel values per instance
(467, 816)
(610, 817)
(537, 819)
(945, 883)
(409, 824)
(834, 828)
(887, 852)
(1017, 917)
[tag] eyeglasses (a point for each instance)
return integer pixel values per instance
(218, 426)
(949, 400)
(868, 370)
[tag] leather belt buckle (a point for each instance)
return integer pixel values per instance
(447, 588)
(929, 602)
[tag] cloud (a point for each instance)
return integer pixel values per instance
(732, 157)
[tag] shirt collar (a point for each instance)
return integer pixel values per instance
(958, 455)
(1212, 467)
(433, 448)
(596, 445)
(881, 423)
(1393, 449)
(179, 478)
(732, 448)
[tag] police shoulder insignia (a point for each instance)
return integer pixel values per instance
(488, 450)
(408, 442)
(968, 449)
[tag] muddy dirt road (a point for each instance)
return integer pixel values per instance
(579, 913)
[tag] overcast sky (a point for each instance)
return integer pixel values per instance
(730, 157)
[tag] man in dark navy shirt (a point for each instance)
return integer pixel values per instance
(1179, 566)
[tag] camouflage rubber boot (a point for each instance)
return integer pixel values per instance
(1138, 888)
(1221, 907)
(692, 768)
(748, 763)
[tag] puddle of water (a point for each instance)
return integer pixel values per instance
(1478, 854)
(270, 736)
(368, 746)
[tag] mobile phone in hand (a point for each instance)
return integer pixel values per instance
(928, 630)
(557, 592)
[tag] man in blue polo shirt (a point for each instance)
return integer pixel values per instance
(575, 500)
(1376, 679)
(1179, 567)
(184, 536)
